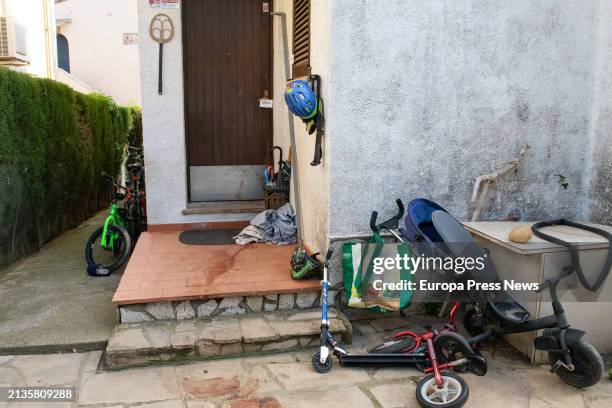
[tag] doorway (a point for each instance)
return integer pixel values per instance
(227, 73)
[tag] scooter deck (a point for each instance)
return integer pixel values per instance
(380, 360)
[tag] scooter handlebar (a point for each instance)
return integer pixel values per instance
(329, 254)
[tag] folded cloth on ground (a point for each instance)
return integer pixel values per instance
(272, 227)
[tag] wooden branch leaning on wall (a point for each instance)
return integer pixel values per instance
(479, 194)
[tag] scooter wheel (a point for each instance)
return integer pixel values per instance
(319, 367)
(453, 393)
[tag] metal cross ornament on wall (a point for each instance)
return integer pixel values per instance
(161, 31)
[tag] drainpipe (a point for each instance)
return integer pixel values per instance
(50, 40)
(294, 156)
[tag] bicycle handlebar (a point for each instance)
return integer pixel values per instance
(110, 178)
(391, 223)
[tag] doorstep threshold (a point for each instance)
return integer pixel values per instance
(224, 207)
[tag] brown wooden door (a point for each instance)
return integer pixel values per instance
(227, 69)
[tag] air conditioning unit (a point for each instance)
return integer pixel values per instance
(13, 42)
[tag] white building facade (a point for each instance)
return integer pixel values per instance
(31, 29)
(98, 47)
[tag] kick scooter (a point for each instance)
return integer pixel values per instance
(437, 353)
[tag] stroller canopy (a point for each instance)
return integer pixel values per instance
(418, 224)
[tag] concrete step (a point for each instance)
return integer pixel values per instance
(158, 342)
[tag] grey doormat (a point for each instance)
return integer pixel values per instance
(209, 237)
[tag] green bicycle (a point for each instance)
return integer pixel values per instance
(109, 247)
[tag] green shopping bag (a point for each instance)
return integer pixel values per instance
(359, 277)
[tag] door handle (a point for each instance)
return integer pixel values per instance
(265, 101)
(265, 95)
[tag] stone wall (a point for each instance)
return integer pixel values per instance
(229, 306)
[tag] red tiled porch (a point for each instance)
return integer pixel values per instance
(162, 269)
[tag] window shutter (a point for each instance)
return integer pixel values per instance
(301, 38)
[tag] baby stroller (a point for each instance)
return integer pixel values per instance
(492, 312)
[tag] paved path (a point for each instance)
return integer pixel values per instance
(48, 303)
(283, 380)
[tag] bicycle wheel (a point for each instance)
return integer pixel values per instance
(453, 393)
(133, 222)
(108, 258)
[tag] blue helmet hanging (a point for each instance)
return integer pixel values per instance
(300, 99)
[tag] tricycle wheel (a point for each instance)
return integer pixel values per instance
(453, 393)
(588, 365)
(319, 367)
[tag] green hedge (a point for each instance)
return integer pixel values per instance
(54, 143)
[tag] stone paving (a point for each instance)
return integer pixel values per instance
(287, 380)
(282, 380)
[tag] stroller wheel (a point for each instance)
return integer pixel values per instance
(473, 322)
(477, 365)
(319, 367)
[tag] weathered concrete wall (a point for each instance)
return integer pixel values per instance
(429, 95)
(314, 181)
(600, 172)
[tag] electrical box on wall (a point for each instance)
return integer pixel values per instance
(13, 42)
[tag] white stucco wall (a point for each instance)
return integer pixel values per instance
(72, 81)
(429, 95)
(98, 56)
(314, 181)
